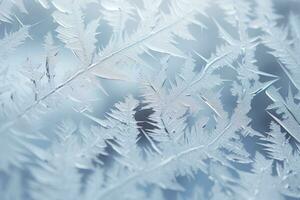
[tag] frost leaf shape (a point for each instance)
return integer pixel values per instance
(290, 121)
(12, 40)
(72, 31)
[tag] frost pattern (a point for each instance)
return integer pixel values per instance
(139, 99)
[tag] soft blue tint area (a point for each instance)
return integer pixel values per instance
(140, 99)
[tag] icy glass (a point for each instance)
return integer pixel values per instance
(149, 99)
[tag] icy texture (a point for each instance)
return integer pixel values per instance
(149, 99)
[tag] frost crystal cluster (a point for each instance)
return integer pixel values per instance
(149, 99)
